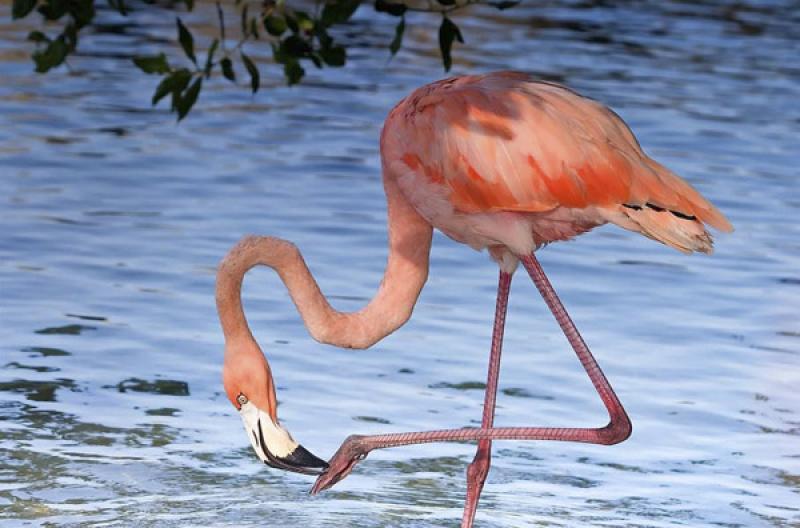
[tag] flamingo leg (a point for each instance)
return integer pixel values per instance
(479, 468)
(356, 448)
(619, 425)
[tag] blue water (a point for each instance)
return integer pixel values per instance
(114, 218)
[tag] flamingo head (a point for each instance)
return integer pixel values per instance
(249, 387)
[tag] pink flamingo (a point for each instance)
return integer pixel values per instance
(497, 161)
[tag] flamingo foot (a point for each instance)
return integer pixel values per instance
(351, 452)
(476, 476)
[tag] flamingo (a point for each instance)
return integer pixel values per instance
(500, 162)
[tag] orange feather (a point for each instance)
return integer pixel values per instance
(508, 143)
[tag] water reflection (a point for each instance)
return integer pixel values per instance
(37, 390)
(72, 329)
(45, 351)
(160, 386)
(115, 218)
(17, 365)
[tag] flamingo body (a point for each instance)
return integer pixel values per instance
(506, 162)
(497, 161)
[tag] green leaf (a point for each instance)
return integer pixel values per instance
(210, 57)
(52, 56)
(254, 28)
(22, 8)
(394, 9)
(227, 69)
(291, 21)
(448, 32)
(338, 11)
(119, 6)
(244, 19)
(176, 97)
(293, 72)
(295, 46)
(152, 64)
(38, 37)
(334, 56)
(70, 35)
(53, 9)
(186, 40)
(397, 41)
(81, 11)
(304, 22)
(174, 82)
(278, 55)
(325, 40)
(255, 78)
(275, 25)
(505, 4)
(186, 101)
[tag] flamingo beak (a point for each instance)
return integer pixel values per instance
(274, 445)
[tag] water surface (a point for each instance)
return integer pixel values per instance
(114, 218)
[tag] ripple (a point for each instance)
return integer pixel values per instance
(134, 214)
(160, 386)
(42, 391)
(35, 368)
(371, 419)
(463, 386)
(87, 317)
(162, 411)
(518, 392)
(73, 329)
(46, 351)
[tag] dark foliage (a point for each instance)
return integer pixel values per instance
(297, 38)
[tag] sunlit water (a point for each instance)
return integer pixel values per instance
(113, 220)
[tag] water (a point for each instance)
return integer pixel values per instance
(113, 220)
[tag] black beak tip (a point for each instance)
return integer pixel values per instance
(301, 460)
(304, 458)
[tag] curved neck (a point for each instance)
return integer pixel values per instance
(405, 274)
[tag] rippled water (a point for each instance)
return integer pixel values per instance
(113, 219)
